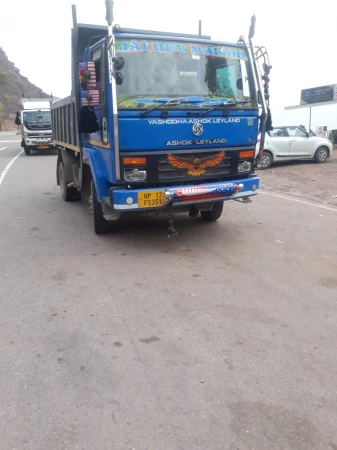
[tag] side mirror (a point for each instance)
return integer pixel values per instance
(266, 69)
(239, 84)
(119, 79)
(119, 63)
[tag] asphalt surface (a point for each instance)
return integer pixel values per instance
(223, 338)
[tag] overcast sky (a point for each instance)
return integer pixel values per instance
(301, 40)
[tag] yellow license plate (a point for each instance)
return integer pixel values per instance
(150, 199)
(42, 146)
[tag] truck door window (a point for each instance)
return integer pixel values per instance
(244, 75)
(225, 81)
(232, 80)
(96, 58)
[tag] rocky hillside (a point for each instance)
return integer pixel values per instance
(12, 86)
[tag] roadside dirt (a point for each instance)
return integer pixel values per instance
(303, 179)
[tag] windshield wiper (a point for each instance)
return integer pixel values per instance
(227, 103)
(172, 102)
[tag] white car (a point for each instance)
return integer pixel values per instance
(286, 143)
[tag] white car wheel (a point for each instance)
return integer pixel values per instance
(321, 155)
(266, 160)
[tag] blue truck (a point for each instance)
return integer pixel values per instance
(160, 122)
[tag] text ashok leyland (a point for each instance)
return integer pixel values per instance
(193, 121)
(197, 142)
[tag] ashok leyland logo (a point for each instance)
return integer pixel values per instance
(197, 129)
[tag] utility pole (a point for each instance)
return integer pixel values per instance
(309, 119)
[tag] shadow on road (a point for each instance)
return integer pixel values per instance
(43, 153)
(147, 231)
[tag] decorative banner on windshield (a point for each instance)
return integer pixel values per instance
(194, 49)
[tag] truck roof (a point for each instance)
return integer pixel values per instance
(36, 99)
(85, 35)
(36, 103)
(104, 31)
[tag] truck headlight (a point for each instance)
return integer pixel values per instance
(134, 175)
(25, 135)
(244, 166)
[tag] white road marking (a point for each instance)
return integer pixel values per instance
(9, 165)
(3, 148)
(7, 142)
(297, 200)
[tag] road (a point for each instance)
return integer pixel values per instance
(304, 179)
(223, 338)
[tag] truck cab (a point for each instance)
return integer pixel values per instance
(36, 125)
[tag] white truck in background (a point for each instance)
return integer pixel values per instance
(36, 124)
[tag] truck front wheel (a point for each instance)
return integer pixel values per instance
(101, 225)
(27, 150)
(214, 214)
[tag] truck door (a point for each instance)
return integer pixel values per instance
(97, 92)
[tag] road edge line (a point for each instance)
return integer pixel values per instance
(9, 165)
(298, 200)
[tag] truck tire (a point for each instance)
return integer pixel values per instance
(101, 225)
(27, 150)
(214, 214)
(68, 193)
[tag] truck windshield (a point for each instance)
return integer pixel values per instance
(37, 117)
(157, 71)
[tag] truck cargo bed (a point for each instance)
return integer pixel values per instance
(64, 124)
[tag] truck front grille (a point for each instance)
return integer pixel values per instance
(169, 171)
